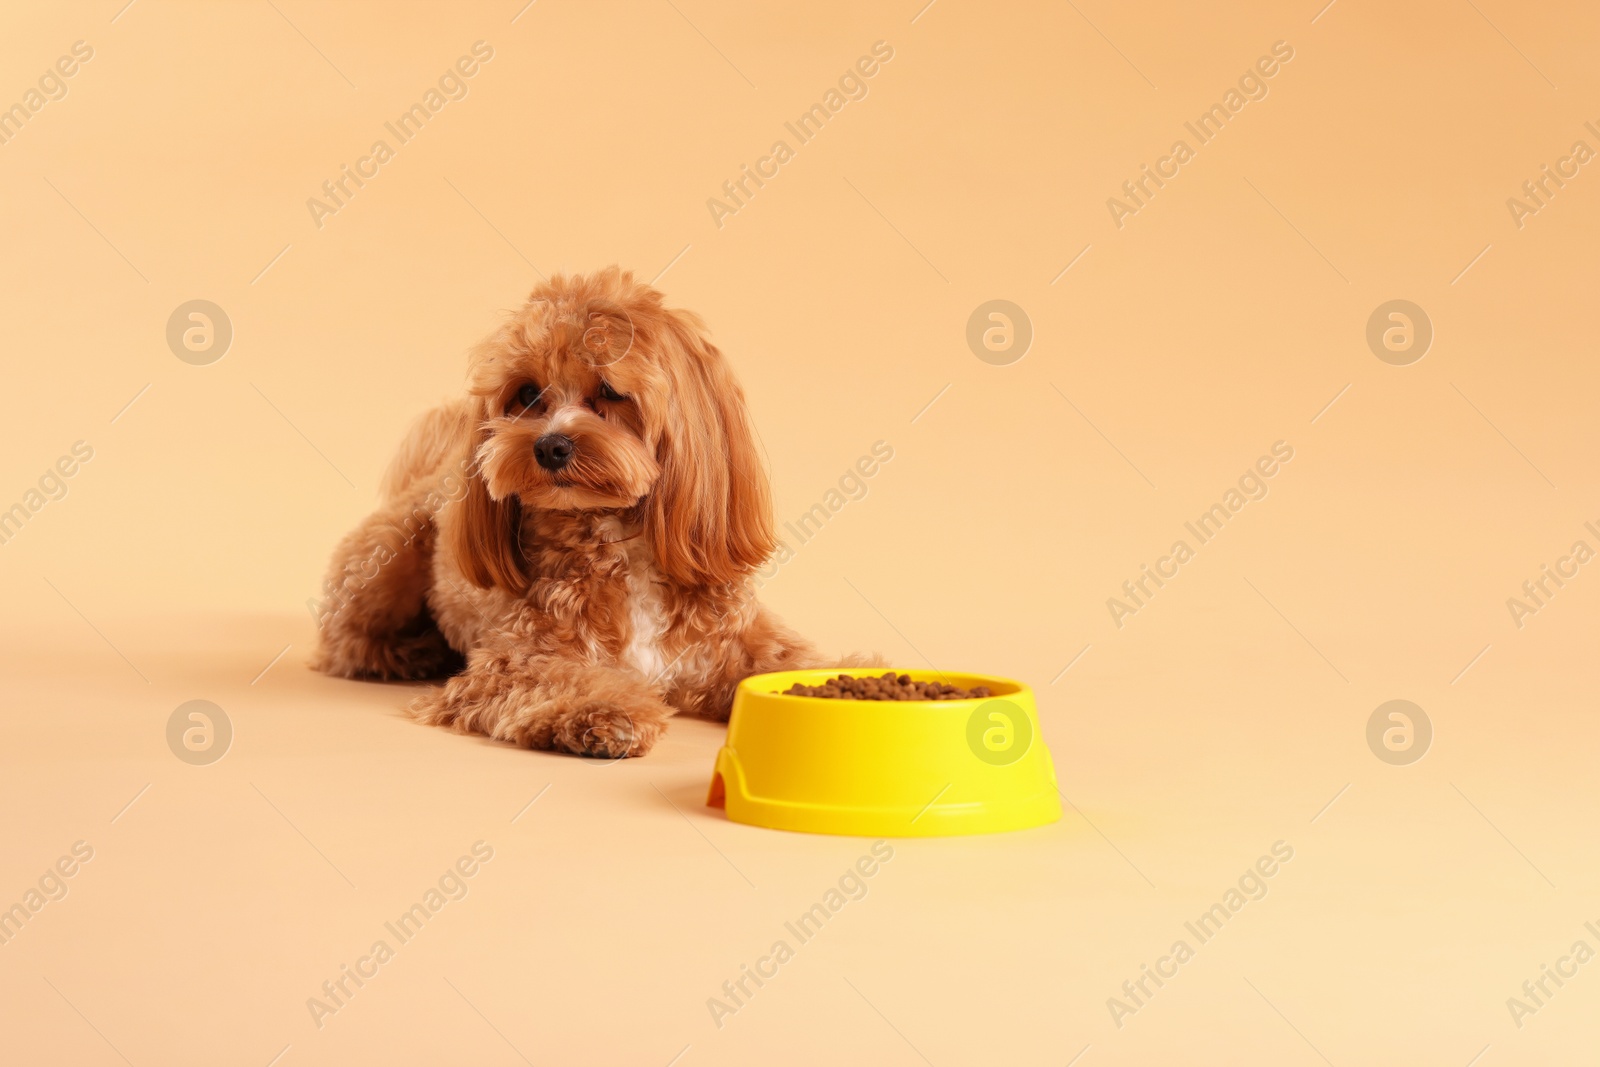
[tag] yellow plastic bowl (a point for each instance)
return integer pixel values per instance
(913, 768)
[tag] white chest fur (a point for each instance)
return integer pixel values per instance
(647, 619)
(643, 653)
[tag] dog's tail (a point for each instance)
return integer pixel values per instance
(439, 437)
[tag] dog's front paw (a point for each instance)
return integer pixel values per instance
(610, 732)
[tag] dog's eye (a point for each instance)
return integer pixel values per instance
(608, 393)
(528, 395)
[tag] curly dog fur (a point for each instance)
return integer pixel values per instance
(579, 531)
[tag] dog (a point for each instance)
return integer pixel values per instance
(572, 544)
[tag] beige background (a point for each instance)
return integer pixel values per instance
(1226, 715)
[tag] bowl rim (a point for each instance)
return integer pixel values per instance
(1013, 688)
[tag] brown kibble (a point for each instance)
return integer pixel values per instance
(888, 686)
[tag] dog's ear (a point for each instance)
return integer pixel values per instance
(486, 534)
(709, 515)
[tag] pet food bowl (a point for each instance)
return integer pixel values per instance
(911, 768)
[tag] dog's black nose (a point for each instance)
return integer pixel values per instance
(554, 451)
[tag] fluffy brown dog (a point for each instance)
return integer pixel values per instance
(581, 529)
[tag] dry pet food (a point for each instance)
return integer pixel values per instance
(887, 686)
